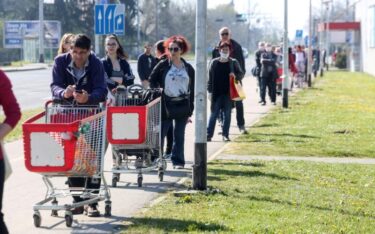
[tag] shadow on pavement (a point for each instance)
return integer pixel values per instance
(249, 174)
(239, 163)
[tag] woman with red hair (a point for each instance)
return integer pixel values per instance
(176, 77)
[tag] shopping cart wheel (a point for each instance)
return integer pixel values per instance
(54, 212)
(68, 220)
(114, 182)
(161, 176)
(37, 219)
(108, 209)
(140, 179)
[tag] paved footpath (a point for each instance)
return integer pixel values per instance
(24, 189)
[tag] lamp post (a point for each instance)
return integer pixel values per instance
(41, 32)
(309, 56)
(326, 3)
(200, 146)
(285, 57)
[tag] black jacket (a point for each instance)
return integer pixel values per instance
(212, 80)
(128, 78)
(158, 74)
(236, 53)
(144, 66)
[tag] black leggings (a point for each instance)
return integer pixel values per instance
(3, 227)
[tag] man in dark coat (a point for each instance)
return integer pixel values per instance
(236, 53)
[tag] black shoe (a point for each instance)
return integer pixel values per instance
(226, 139)
(92, 211)
(78, 210)
(243, 130)
(263, 103)
(209, 139)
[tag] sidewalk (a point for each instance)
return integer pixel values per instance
(24, 189)
(26, 67)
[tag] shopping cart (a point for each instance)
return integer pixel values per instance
(67, 141)
(134, 131)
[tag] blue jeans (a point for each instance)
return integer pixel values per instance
(224, 103)
(178, 148)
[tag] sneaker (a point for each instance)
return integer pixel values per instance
(243, 130)
(209, 139)
(178, 167)
(263, 103)
(274, 103)
(226, 139)
(92, 211)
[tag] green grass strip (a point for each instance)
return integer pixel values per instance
(334, 118)
(270, 197)
(16, 133)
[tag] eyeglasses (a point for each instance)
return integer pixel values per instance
(111, 44)
(174, 49)
(224, 34)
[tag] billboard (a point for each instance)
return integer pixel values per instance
(16, 31)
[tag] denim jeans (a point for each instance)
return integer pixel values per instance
(178, 148)
(240, 114)
(268, 82)
(224, 103)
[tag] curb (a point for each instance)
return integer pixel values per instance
(19, 69)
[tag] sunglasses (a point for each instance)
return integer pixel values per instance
(174, 49)
(224, 34)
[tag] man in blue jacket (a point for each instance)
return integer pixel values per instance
(78, 77)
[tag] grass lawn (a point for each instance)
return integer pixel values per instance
(17, 131)
(270, 197)
(334, 118)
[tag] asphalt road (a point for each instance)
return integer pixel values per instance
(32, 87)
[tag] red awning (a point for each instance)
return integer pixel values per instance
(339, 26)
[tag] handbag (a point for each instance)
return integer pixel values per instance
(177, 107)
(7, 167)
(235, 88)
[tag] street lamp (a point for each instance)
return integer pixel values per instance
(326, 3)
(285, 57)
(309, 57)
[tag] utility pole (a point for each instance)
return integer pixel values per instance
(309, 55)
(138, 29)
(200, 146)
(41, 32)
(97, 37)
(321, 45)
(285, 57)
(157, 20)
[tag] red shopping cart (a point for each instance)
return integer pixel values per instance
(134, 131)
(67, 141)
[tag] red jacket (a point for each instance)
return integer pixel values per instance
(9, 104)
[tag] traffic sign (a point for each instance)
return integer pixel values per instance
(299, 34)
(110, 19)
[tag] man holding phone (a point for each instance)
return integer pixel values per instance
(78, 77)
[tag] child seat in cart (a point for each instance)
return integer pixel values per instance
(134, 131)
(67, 141)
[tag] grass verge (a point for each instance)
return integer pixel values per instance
(334, 118)
(16, 133)
(270, 197)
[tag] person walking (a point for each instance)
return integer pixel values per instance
(12, 113)
(236, 53)
(146, 63)
(220, 69)
(65, 43)
(176, 77)
(117, 69)
(258, 53)
(268, 75)
(161, 55)
(78, 77)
